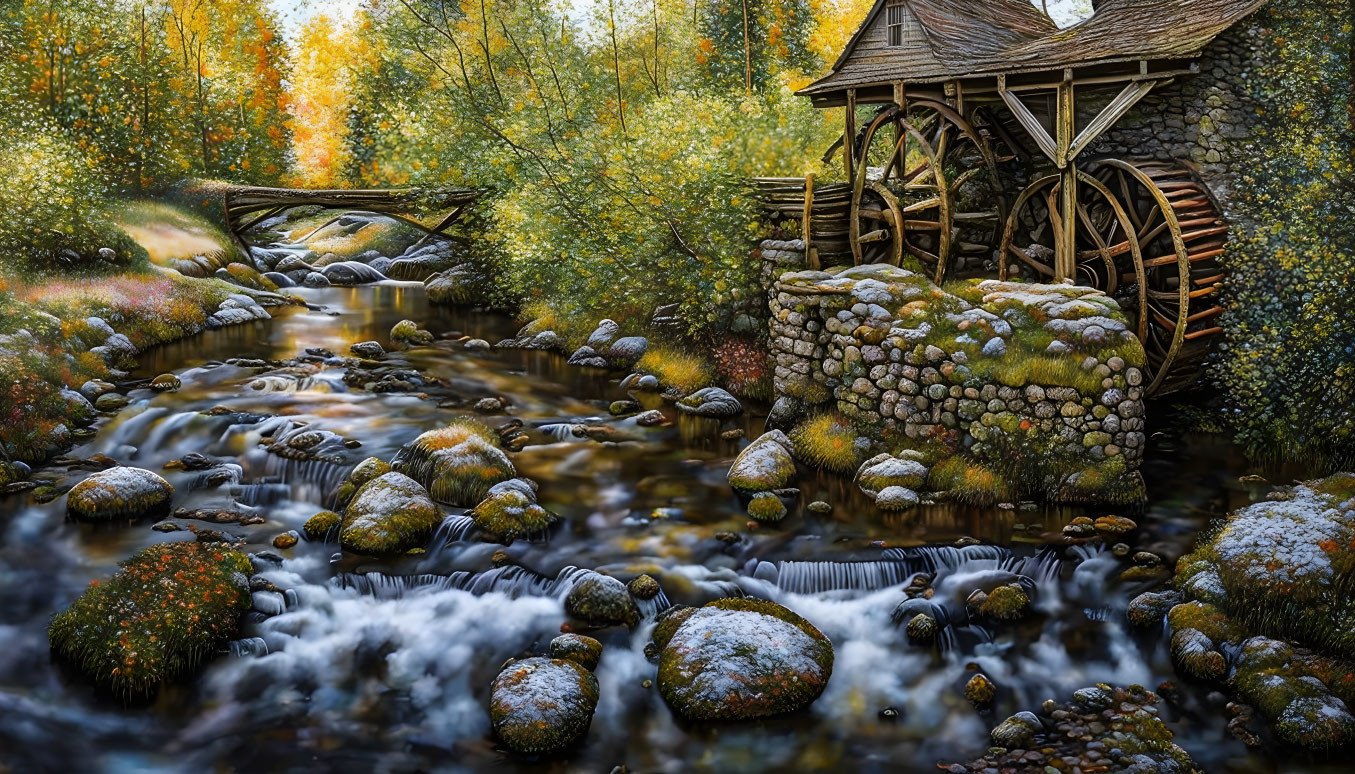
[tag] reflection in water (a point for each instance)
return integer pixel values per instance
(386, 665)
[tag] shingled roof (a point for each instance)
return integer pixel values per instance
(983, 37)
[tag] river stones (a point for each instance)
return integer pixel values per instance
(510, 511)
(1101, 729)
(119, 493)
(1006, 603)
(542, 705)
(711, 402)
(582, 650)
(766, 507)
(458, 463)
(587, 357)
(370, 350)
(785, 413)
(885, 470)
(740, 658)
(169, 608)
(407, 333)
(603, 335)
(361, 473)
(389, 515)
(764, 465)
(601, 600)
(644, 586)
(166, 383)
(1017, 730)
(625, 352)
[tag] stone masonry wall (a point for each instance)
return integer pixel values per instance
(1199, 119)
(889, 348)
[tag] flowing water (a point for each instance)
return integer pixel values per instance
(386, 666)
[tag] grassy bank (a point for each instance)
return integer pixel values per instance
(54, 324)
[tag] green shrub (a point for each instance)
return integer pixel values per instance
(161, 615)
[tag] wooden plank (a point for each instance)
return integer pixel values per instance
(1030, 123)
(1065, 257)
(1112, 112)
(849, 134)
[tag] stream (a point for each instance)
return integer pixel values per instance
(386, 666)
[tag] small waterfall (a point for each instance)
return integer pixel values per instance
(456, 528)
(816, 577)
(262, 493)
(249, 647)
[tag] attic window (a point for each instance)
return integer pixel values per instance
(894, 29)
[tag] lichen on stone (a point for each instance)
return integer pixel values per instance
(389, 515)
(742, 658)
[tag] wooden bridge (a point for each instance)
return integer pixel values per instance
(242, 202)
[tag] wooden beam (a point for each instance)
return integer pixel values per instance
(1065, 256)
(1112, 112)
(849, 135)
(1029, 122)
(806, 221)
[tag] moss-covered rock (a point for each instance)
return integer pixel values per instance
(162, 614)
(601, 600)
(766, 507)
(321, 525)
(407, 333)
(1006, 603)
(980, 691)
(766, 464)
(643, 587)
(743, 658)
(1297, 691)
(389, 515)
(541, 705)
(361, 473)
(510, 511)
(458, 464)
(119, 493)
(582, 650)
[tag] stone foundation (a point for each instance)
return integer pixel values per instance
(989, 369)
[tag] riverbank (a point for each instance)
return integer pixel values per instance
(70, 338)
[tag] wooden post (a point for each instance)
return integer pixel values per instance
(1065, 256)
(901, 158)
(811, 254)
(849, 136)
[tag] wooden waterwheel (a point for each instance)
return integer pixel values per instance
(1149, 235)
(926, 183)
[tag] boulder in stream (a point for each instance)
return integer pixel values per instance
(741, 658)
(510, 511)
(351, 273)
(713, 402)
(407, 333)
(542, 705)
(458, 463)
(389, 515)
(119, 493)
(601, 600)
(766, 464)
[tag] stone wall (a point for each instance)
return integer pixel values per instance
(992, 367)
(1198, 120)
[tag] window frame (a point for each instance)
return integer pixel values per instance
(896, 32)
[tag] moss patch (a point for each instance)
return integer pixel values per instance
(164, 613)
